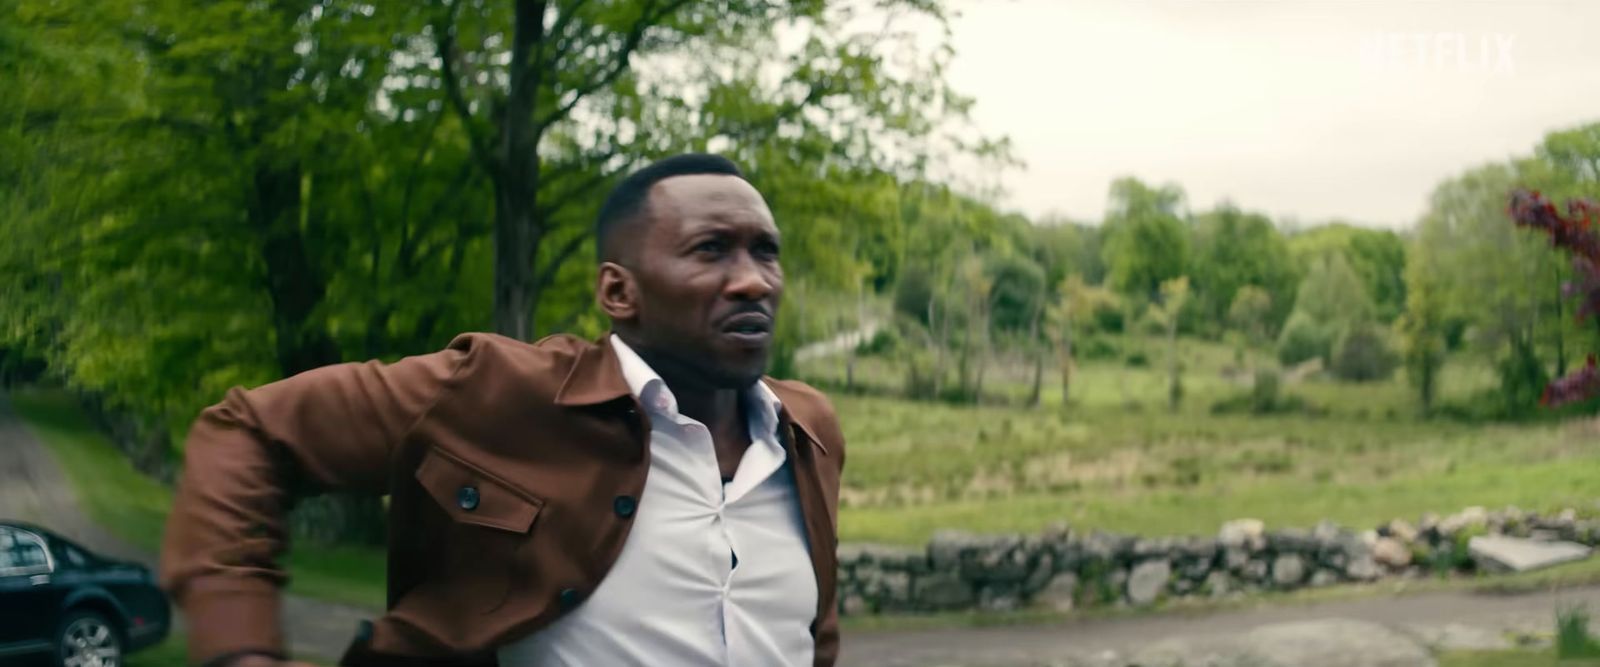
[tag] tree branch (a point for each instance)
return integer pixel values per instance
(445, 43)
(554, 37)
(619, 62)
(556, 261)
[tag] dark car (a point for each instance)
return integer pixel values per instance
(61, 603)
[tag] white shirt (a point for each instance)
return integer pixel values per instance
(674, 595)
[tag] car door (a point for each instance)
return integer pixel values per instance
(29, 597)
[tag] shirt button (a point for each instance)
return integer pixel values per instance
(569, 598)
(467, 498)
(624, 506)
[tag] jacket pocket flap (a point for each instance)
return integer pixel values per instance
(475, 497)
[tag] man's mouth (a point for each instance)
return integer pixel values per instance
(749, 328)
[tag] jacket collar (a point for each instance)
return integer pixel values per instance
(596, 377)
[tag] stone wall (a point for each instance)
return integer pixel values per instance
(1062, 569)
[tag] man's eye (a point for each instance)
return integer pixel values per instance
(767, 249)
(711, 246)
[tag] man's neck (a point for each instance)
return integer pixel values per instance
(719, 408)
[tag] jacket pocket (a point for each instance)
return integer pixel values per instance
(471, 495)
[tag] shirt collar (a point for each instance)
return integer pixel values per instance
(653, 393)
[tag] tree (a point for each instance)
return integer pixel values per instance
(1076, 301)
(1146, 243)
(1376, 256)
(1235, 251)
(1251, 313)
(1331, 295)
(553, 104)
(1573, 232)
(1174, 293)
(1422, 328)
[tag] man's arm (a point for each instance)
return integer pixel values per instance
(332, 428)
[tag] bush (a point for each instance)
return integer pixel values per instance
(1303, 339)
(1095, 348)
(885, 342)
(1363, 355)
(1136, 359)
(1264, 391)
(1109, 319)
(1522, 381)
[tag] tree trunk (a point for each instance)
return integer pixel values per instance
(939, 350)
(1174, 386)
(1038, 358)
(293, 283)
(296, 288)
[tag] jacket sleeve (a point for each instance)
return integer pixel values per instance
(332, 428)
(827, 636)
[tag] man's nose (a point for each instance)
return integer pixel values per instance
(749, 281)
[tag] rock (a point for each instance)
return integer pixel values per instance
(947, 546)
(1402, 530)
(1254, 571)
(1059, 594)
(1288, 570)
(999, 598)
(1219, 584)
(1004, 562)
(1428, 523)
(1391, 553)
(1249, 534)
(1235, 558)
(853, 605)
(1363, 568)
(1327, 532)
(1117, 583)
(1148, 581)
(1470, 517)
(1195, 570)
(1292, 540)
(896, 586)
(942, 591)
(1324, 578)
(1323, 643)
(1514, 554)
(1042, 571)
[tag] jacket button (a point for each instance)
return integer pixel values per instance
(624, 506)
(569, 598)
(467, 498)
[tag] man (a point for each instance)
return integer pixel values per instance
(646, 499)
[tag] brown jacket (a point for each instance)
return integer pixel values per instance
(511, 469)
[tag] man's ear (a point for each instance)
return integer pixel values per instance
(617, 292)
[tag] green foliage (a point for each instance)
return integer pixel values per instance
(1522, 380)
(1363, 354)
(1332, 295)
(1146, 243)
(1251, 313)
(1573, 640)
(1377, 257)
(1304, 339)
(1241, 260)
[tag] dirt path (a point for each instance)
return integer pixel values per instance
(33, 488)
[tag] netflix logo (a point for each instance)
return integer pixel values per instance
(1472, 53)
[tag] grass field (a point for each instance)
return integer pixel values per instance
(1118, 459)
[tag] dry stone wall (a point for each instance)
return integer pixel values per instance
(1062, 569)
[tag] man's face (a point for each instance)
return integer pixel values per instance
(707, 280)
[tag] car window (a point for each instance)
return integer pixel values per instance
(21, 551)
(72, 556)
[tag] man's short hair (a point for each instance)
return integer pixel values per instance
(627, 201)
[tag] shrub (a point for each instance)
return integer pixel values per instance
(1095, 347)
(1572, 634)
(885, 342)
(1137, 359)
(1303, 339)
(1264, 392)
(1363, 355)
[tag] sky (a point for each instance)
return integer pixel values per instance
(1306, 110)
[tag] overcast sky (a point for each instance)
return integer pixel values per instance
(1310, 109)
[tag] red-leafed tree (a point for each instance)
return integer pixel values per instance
(1575, 232)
